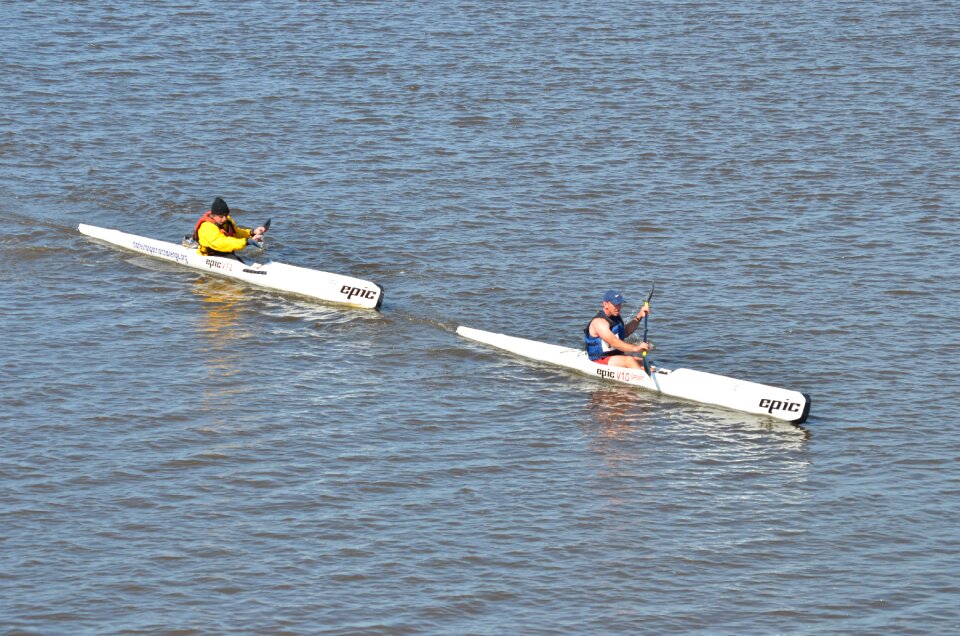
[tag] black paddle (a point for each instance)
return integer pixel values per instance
(646, 305)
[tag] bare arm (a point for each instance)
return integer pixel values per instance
(633, 324)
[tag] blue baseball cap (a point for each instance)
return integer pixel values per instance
(613, 296)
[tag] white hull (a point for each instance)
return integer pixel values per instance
(707, 388)
(277, 276)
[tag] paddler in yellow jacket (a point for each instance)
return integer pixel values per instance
(218, 235)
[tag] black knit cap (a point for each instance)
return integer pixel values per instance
(219, 207)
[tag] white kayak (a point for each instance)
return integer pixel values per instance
(707, 388)
(277, 276)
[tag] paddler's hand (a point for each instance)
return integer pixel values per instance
(259, 232)
(640, 348)
(643, 312)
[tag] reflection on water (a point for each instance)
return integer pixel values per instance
(616, 416)
(221, 336)
(616, 411)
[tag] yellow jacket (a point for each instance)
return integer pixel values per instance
(212, 239)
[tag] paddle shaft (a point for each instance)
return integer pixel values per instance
(646, 305)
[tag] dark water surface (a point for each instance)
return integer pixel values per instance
(183, 454)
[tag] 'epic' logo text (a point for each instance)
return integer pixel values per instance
(778, 405)
(356, 291)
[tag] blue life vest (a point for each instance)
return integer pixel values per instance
(596, 347)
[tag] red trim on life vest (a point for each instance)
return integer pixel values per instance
(228, 229)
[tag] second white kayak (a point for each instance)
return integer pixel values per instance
(325, 286)
(698, 386)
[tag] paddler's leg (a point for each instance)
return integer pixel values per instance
(626, 361)
(211, 252)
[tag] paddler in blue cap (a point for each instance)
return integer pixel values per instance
(217, 234)
(605, 336)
